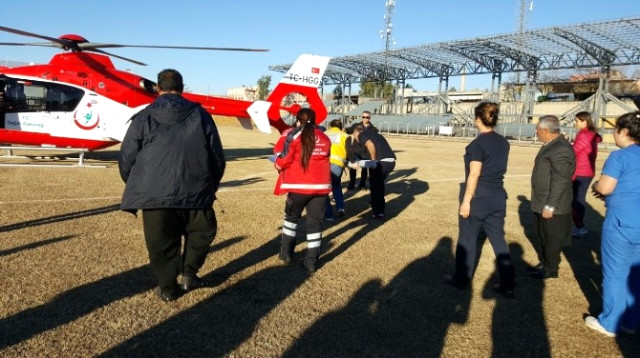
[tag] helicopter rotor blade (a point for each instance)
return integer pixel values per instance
(92, 45)
(116, 56)
(41, 44)
(59, 42)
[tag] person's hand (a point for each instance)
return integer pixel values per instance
(596, 193)
(547, 214)
(465, 209)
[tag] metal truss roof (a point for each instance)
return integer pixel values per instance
(587, 45)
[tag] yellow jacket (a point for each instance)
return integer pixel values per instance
(338, 148)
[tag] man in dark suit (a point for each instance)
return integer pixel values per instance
(551, 194)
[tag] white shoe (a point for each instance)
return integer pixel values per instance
(582, 231)
(593, 323)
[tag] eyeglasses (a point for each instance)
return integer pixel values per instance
(366, 117)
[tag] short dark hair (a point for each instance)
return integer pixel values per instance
(170, 80)
(336, 123)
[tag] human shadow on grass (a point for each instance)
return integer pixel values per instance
(518, 325)
(630, 343)
(79, 301)
(409, 317)
(61, 217)
(580, 253)
(407, 189)
(242, 154)
(582, 256)
(34, 245)
(216, 326)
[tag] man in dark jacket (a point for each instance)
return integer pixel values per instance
(551, 196)
(172, 162)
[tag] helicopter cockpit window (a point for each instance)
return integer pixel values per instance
(35, 96)
(148, 86)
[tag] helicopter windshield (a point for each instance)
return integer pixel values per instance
(35, 96)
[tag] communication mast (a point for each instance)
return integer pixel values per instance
(522, 26)
(387, 37)
(388, 25)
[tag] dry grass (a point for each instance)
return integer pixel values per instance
(75, 282)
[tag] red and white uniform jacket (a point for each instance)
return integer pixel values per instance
(316, 179)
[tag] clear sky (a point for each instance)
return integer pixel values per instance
(288, 28)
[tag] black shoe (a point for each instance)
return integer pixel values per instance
(341, 213)
(350, 187)
(309, 266)
(451, 281)
(377, 216)
(191, 283)
(543, 275)
(167, 297)
(504, 292)
(285, 259)
(535, 268)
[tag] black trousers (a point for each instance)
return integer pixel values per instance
(377, 177)
(487, 217)
(353, 173)
(296, 203)
(550, 236)
(579, 203)
(163, 232)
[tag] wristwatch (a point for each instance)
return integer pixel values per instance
(549, 208)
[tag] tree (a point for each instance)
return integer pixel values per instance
(452, 89)
(263, 87)
(337, 92)
(370, 88)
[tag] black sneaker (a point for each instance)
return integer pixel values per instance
(191, 283)
(285, 259)
(309, 266)
(341, 213)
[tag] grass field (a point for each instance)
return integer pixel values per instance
(74, 279)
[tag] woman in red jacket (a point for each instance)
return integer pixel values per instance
(585, 147)
(305, 177)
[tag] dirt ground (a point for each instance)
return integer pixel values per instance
(75, 281)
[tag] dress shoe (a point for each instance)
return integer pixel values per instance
(535, 268)
(166, 296)
(453, 282)
(191, 283)
(543, 275)
(285, 259)
(503, 292)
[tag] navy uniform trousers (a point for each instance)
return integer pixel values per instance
(487, 214)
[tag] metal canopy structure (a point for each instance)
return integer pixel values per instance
(588, 45)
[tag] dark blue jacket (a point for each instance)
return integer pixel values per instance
(171, 157)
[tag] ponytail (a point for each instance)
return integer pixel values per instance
(307, 117)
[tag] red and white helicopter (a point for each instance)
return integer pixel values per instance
(80, 100)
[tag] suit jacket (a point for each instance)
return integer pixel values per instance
(551, 177)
